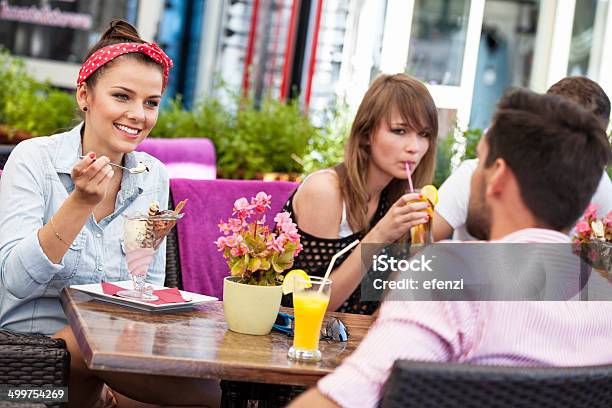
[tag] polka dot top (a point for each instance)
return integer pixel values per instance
(317, 254)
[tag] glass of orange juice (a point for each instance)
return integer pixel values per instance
(310, 299)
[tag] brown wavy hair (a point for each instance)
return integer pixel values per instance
(418, 110)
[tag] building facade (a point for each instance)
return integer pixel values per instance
(327, 51)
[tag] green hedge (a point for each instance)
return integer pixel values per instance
(30, 106)
(277, 137)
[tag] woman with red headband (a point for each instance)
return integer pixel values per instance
(61, 201)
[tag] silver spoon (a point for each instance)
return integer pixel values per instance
(141, 168)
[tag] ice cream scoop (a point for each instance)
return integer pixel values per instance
(141, 168)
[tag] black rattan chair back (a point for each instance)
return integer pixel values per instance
(173, 260)
(33, 360)
(450, 385)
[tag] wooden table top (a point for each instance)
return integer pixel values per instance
(194, 343)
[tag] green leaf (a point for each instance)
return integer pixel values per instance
(238, 268)
(256, 245)
(281, 262)
(254, 264)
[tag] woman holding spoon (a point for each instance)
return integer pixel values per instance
(62, 197)
(365, 197)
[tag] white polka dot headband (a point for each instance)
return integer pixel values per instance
(110, 52)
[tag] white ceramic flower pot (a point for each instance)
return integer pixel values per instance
(250, 309)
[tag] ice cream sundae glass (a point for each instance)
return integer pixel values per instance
(143, 234)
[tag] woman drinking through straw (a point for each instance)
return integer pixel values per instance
(364, 197)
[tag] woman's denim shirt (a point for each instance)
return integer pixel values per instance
(34, 184)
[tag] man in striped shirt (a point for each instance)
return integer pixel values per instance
(531, 183)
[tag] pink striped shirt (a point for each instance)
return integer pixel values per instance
(488, 333)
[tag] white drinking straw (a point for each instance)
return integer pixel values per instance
(336, 256)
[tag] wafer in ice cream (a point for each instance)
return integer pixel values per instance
(149, 240)
(172, 222)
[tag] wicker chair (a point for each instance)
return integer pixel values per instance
(33, 360)
(173, 265)
(450, 385)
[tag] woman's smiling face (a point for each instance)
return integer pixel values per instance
(123, 105)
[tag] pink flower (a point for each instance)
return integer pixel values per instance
(242, 208)
(276, 243)
(239, 250)
(261, 201)
(221, 243)
(583, 228)
(286, 225)
(591, 212)
(224, 227)
(294, 238)
(608, 219)
(233, 240)
(289, 229)
(235, 225)
(241, 204)
(282, 218)
(263, 243)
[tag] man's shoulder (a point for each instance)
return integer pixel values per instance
(459, 178)
(535, 236)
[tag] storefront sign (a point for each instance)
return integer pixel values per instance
(45, 16)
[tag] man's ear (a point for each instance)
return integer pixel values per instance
(499, 175)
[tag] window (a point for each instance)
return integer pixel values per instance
(437, 41)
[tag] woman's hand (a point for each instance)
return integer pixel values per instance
(404, 214)
(91, 177)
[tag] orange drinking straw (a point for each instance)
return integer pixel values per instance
(409, 174)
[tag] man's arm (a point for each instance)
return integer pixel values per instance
(441, 228)
(313, 398)
(426, 331)
(454, 195)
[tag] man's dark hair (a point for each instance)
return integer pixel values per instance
(556, 150)
(586, 93)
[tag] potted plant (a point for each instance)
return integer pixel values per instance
(593, 241)
(256, 257)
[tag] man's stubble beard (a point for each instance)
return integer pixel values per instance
(478, 223)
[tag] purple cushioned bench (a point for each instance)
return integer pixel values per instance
(192, 158)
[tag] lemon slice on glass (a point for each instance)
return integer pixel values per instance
(295, 279)
(430, 193)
